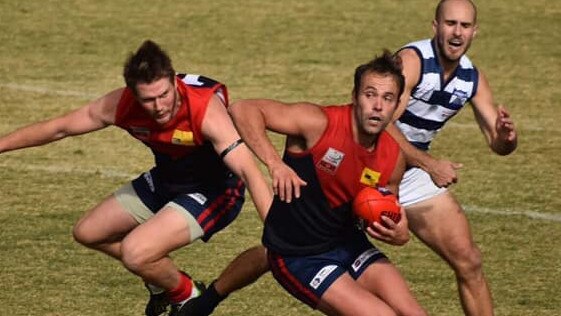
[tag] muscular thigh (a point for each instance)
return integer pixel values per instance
(106, 222)
(441, 223)
(347, 297)
(163, 233)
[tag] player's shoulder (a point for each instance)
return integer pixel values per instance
(409, 54)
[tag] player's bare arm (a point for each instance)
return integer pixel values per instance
(303, 120)
(90, 117)
(443, 172)
(219, 129)
(495, 122)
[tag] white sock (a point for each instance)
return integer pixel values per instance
(154, 289)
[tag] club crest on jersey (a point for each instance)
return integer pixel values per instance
(458, 97)
(182, 138)
(331, 160)
(142, 133)
(369, 177)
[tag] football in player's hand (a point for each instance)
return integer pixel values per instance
(370, 204)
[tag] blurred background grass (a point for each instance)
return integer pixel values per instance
(57, 55)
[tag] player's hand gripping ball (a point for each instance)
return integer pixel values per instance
(370, 204)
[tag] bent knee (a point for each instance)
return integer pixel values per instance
(134, 256)
(82, 234)
(468, 262)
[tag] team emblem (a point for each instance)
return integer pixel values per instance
(369, 177)
(458, 97)
(182, 138)
(331, 160)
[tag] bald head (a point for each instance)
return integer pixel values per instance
(445, 3)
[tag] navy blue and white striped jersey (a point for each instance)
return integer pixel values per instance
(433, 101)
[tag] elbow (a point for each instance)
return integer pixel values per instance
(234, 108)
(236, 112)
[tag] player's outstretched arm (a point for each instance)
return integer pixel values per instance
(495, 122)
(93, 116)
(442, 171)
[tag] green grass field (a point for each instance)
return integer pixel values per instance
(57, 55)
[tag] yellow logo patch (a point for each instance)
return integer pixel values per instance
(369, 177)
(182, 138)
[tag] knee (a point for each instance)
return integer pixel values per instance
(133, 256)
(82, 234)
(468, 263)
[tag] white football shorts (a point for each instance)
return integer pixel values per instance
(417, 186)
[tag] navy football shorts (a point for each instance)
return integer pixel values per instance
(308, 277)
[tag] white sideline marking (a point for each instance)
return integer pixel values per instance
(118, 174)
(37, 89)
(508, 212)
(103, 172)
(108, 173)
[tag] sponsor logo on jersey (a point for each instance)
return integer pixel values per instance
(369, 177)
(360, 260)
(331, 160)
(142, 133)
(321, 275)
(184, 138)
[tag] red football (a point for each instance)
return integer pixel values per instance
(370, 204)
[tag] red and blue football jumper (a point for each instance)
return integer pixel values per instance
(186, 164)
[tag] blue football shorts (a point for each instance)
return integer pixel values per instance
(207, 210)
(308, 277)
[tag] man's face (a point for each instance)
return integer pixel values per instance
(375, 103)
(158, 99)
(454, 29)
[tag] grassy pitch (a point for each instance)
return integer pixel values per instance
(57, 55)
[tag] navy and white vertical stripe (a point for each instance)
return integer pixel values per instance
(433, 101)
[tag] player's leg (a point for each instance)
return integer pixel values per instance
(323, 282)
(375, 273)
(441, 224)
(146, 248)
(104, 226)
(245, 269)
(187, 218)
(346, 296)
(382, 279)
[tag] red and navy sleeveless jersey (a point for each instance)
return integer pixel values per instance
(335, 168)
(184, 159)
